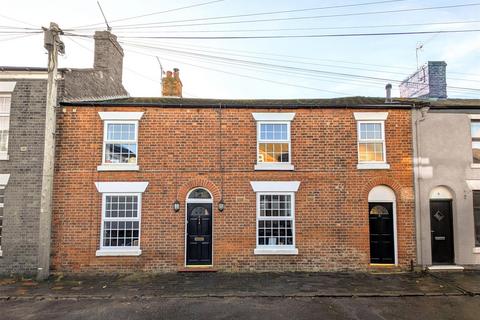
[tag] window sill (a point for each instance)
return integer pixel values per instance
(275, 251)
(476, 250)
(475, 166)
(118, 167)
(373, 166)
(4, 156)
(118, 252)
(274, 166)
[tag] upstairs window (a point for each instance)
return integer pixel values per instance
(5, 103)
(475, 130)
(120, 141)
(273, 141)
(371, 144)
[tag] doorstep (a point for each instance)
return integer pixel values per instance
(197, 268)
(445, 268)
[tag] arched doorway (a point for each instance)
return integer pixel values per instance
(199, 227)
(383, 226)
(441, 226)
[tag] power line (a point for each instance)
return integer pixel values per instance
(17, 20)
(338, 35)
(313, 28)
(267, 13)
(162, 25)
(296, 68)
(309, 62)
(150, 14)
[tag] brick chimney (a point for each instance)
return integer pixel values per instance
(171, 84)
(429, 82)
(108, 54)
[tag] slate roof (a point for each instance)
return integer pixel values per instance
(343, 102)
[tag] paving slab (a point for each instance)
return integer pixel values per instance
(466, 280)
(192, 285)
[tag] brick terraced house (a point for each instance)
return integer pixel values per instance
(169, 184)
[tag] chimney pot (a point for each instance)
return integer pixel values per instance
(388, 89)
(171, 84)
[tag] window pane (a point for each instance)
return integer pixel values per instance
(370, 152)
(5, 103)
(476, 151)
(119, 131)
(123, 232)
(475, 129)
(278, 131)
(120, 153)
(476, 215)
(275, 206)
(273, 152)
(275, 233)
(199, 194)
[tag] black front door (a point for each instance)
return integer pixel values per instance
(199, 234)
(441, 227)
(382, 243)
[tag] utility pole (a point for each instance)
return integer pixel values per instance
(54, 45)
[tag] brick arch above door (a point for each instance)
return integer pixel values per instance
(199, 182)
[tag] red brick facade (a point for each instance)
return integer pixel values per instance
(179, 149)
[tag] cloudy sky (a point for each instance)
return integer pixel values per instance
(212, 67)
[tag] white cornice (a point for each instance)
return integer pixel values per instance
(275, 186)
(121, 187)
(120, 115)
(273, 116)
(7, 86)
(367, 116)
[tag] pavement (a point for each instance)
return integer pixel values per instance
(246, 296)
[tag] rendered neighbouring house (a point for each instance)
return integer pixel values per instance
(167, 184)
(447, 167)
(24, 239)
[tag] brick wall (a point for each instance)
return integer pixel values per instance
(22, 194)
(179, 150)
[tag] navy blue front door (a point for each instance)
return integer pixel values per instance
(382, 243)
(199, 234)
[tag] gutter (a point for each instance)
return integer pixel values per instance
(233, 106)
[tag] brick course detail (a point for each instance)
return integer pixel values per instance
(179, 149)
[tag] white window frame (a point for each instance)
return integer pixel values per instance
(3, 184)
(121, 189)
(275, 188)
(6, 89)
(371, 118)
(274, 118)
(119, 118)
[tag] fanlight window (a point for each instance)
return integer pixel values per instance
(199, 194)
(379, 211)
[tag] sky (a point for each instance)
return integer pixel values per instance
(281, 68)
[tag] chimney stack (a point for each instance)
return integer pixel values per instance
(388, 89)
(108, 54)
(429, 82)
(171, 84)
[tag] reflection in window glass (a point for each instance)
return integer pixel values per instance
(121, 221)
(273, 143)
(371, 143)
(475, 130)
(275, 220)
(121, 143)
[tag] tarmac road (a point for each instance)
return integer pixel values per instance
(429, 307)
